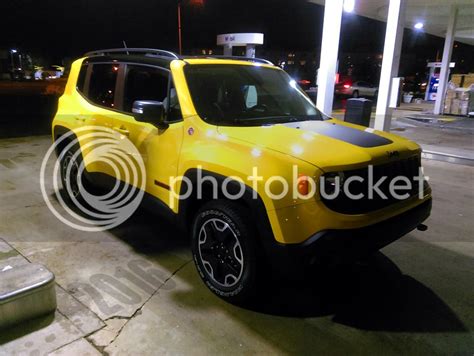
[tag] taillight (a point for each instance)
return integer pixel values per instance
(347, 86)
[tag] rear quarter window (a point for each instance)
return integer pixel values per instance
(81, 79)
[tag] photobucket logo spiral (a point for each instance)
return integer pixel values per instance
(85, 207)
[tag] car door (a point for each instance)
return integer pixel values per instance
(362, 88)
(371, 90)
(367, 89)
(158, 147)
(97, 111)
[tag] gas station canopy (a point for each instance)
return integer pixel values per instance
(451, 20)
(433, 14)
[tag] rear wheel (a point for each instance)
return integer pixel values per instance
(70, 174)
(224, 250)
(73, 179)
(355, 94)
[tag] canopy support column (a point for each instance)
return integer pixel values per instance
(447, 52)
(329, 50)
(390, 63)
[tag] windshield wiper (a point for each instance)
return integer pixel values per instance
(279, 118)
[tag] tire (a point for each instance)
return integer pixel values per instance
(69, 168)
(355, 94)
(224, 250)
(376, 94)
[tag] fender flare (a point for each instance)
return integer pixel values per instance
(187, 207)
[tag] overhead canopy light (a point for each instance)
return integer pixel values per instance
(349, 5)
(419, 26)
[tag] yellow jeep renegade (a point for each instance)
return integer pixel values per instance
(273, 181)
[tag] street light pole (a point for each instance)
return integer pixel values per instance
(180, 44)
(12, 52)
(192, 3)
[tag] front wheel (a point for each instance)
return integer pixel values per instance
(224, 250)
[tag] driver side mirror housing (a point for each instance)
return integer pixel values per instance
(150, 111)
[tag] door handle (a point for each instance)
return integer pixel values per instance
(84, 119)
(122, 130)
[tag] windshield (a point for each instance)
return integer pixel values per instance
(247, 95)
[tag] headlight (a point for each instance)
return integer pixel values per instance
(332, 181)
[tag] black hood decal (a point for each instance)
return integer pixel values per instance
(343, 133)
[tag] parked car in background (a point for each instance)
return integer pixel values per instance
(416, 87)
(302, 74)
(356, 89)
(51, 72)
(312, 92)
(305, 84)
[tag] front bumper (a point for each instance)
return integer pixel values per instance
(337, 246)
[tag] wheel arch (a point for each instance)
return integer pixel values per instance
(188, 207)
(58, 132)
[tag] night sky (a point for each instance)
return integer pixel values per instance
(56, 29)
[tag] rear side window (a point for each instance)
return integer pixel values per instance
(144, 83)
(102, 84)
(81, 79)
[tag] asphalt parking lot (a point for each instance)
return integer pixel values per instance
(135, 289)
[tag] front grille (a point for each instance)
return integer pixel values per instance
(408, 168)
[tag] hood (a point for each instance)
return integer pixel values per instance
(329, 145)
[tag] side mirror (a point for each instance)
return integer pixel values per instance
(150, 111)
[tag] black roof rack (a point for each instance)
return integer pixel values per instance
(146, 51)
(240, 58)
(168, 54)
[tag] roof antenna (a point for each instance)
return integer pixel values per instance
(125, 46)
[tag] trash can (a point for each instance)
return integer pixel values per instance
(358, 111)
(26, 292)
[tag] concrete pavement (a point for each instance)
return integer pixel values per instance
(448, 135)
(134, 290)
